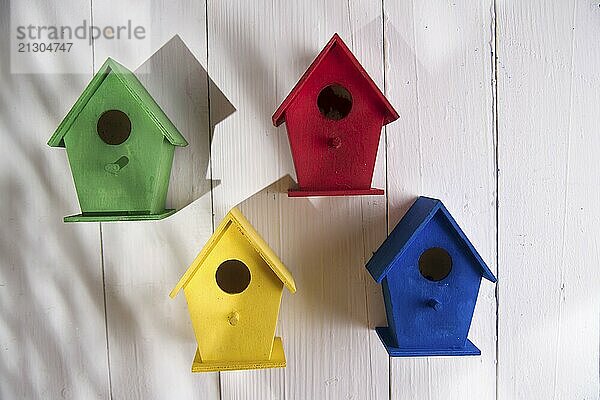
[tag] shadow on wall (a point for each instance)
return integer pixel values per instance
(265, 154)
(51, 307)
(321, 241)
(402, 86)
(324, 252)
(51, 303)
(51, 300)
(183, 89)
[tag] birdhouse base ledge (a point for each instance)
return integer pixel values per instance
(277, 361)
(469, 350)
(113, 217)
(322, 193)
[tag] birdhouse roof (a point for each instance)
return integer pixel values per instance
(137, 90)
(235, 219)
(401, 238)
(336, 41)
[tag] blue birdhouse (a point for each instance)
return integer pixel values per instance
(430, 275)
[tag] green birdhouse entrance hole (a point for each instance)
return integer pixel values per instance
(114, 127)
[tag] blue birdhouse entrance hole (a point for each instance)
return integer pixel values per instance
(435, 264)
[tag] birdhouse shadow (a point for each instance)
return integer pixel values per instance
(264, 147)
(175, 231)
(402, 49)
(325, 254)
(186, 93)
(155, 278)
(254, 65)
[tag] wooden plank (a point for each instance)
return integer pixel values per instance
(324, 327)
(151, 339)
(373, 209)
(439, 75)
(324, 242)
(52, 330)
(548, 91)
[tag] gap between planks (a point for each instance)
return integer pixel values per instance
(494, 88)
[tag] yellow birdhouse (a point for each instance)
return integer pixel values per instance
(233, 291)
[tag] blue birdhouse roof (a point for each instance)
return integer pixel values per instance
(401, 238)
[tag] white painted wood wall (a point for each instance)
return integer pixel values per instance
(499, 106)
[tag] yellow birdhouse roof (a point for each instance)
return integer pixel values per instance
(236, 218)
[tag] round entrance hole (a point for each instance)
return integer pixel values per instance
(114, 127)
(435, 264)
(334, 102)
(233, 276)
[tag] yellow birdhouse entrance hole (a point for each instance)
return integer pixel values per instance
(233, 290)
(233, 276)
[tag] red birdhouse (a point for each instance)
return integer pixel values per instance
(333, 118)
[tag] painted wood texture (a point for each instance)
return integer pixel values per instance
(52, 332)
(151, 340)
(443, 147)
(498, 103)
(322, 241)
(549, 295)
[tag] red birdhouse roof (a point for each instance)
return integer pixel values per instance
(279, 116)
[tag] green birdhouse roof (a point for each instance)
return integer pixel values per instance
(137, 90)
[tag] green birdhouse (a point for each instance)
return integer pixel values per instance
(120, 146)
